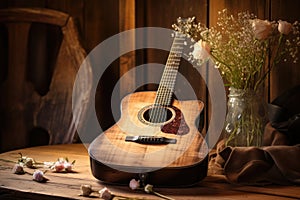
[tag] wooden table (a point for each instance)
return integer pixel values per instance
(67, 185)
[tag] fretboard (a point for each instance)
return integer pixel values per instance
(167, 83)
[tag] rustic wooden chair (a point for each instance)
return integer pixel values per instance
(40, 54)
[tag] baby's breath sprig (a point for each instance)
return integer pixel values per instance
(244, 48)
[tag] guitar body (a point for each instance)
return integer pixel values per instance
(184, 163)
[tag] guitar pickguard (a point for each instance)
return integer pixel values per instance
(177, 126)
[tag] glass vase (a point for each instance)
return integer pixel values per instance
(246, 118)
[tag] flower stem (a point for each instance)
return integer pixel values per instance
(273, 62)
(162, 196)
(220, 61)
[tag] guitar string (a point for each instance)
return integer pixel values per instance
(167, 91)
(168, 82)
(162, 92)
(166, 87)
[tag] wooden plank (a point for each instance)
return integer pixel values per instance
(15, 90)
(127, 62)
(64, 186)
(218, 181)
(102, 22)
(286, 74)
(99, 22)
(3, 52)
(258, 7)
(25, 3)
(140, 55)
(4, 4)
(34, 15)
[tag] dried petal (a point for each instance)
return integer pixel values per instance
(68, 167)
(58, 166)
(29, 162)
(134, 184)
(86, 190)
(105, 194)
(39, 176)
(18, 169)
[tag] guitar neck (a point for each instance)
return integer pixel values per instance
(167, 83)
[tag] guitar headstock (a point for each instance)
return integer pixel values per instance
(188, 27)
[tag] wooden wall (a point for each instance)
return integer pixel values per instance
(99, 19)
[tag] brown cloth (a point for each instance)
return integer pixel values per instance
(274, 163)
(278, 161)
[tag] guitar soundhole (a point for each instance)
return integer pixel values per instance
(156, 114)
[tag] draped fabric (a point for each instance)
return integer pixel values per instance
(278, 161)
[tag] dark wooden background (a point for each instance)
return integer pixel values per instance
(97, 20)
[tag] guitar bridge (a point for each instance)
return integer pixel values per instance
(150, 140)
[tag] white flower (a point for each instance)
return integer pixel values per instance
(105, 194)
(134, 184)
(62, 164)
(18, 169)
(86, 190)
(29, 162)
(261, 28)
(59, 166)
(39, 176)
(284, 27)
(68, 166)
(201, 51)
(148, 188)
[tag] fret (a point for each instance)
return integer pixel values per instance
(180, 47)
(174, 57)
(179, 44)
(180, 38)
(176, 52)
(173, 61)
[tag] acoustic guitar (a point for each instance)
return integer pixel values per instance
(156, 139)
